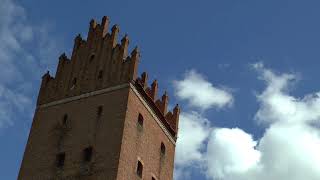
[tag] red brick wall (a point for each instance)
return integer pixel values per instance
(144, 144)
(104, 134)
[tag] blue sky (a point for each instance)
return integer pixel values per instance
(256, 63)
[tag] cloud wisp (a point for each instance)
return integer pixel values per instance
(24, 52)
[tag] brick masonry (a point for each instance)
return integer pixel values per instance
(67, 118)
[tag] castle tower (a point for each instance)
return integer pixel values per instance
(97, 120)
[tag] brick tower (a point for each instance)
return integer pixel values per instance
(97, 120)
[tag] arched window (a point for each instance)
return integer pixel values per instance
(139, 169)
(140, 120)
(163, 149)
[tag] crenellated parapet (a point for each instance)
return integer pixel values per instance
(160, 105)
(98, 62)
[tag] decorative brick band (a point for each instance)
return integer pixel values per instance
(86, 95)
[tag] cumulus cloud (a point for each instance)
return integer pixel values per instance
(24, 52)
(287, 150)
(194, 128)
(230, 152)
(193, 131)
(200, 93)
(278, 105)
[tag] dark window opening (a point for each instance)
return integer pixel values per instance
(140, 120)
(92, 57)
(163, 149)
(87, 154)
(74, 81)
(139, 169)
(60, 159)
(64, 120)
(99, 111)
(153, 178)
(100, 75)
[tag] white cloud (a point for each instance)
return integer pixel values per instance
(12, 102)
(200, 93)
(193, 131)
(278, 105)
(24, 52)
(230, 152)
(289, 148)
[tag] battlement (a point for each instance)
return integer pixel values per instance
(97, 62)
(171, 118)
(100, 62)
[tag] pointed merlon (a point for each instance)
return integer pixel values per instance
(154, 89)
(105, 20)
(124, 46)
(176, 109)
(165, 101)
(63, 56)
(165, 96)
(78, 37)
(144, 80)
(115, 28)
(114, 34)
(176, 114)
(93, 24)
(77, 41)
(46, 74)
(135, 53)
(125, 40)
(45, 78)
(105, 25)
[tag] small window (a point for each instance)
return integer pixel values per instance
(139, 169)
(92, 57)
(100, 74)
(87, 154)
(60, 159)
(99, 111)
(140, 119)
(65, 120)
(74, 83)
(163, 149)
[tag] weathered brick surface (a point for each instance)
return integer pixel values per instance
(106, 77)
(144, 144)
(85, 129)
